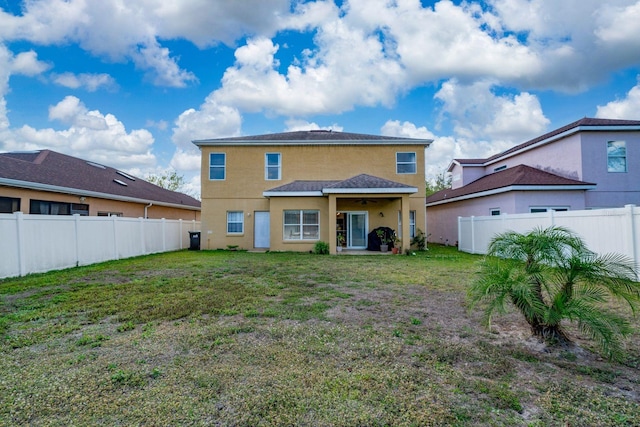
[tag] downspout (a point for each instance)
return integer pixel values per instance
(145, 210)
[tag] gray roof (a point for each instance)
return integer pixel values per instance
(51, 171)
(362, 183)
(313, 137)
(521, 176)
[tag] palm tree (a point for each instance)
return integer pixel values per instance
(550, 275)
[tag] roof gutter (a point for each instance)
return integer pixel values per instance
(512, 188)
(219, 143)
(75, 191)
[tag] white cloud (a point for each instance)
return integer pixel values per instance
(212, 120)
(128, 33)
(478, 113)
(206, 22)
(323, 82)
(619, 24)
(448, 39)
(298, 124)
(27, 63)
(627, 108)
(91, 135)
(90, 82)
(160, 67)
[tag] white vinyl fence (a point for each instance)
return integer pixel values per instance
(39, 243)
(603, 230)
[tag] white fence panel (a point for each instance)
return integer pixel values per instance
(40, 243)
(48, 244)
(603, 230)
(95, 240)
(153, 234)
(9, 237)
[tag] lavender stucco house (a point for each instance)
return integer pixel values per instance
(587, 164)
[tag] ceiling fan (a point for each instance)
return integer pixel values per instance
(365, 201)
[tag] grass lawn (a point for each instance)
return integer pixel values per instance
(247, 339)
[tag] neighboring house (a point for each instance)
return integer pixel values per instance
(588, 164)
(50, 183)
(287, 191)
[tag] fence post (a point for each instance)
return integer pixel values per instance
(115, 236)
(164, 235)
(632, 234)
(76, 226)
(460, 237)
(180, 236)
(143, 248)
(473, 234)
(551, 217)
(22, 268)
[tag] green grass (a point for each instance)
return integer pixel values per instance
(237, 338)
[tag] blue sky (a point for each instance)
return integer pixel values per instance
(131, 83)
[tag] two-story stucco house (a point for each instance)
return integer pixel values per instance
(587, 164)
(287, 191)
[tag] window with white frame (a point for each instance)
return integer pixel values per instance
(406, 163)
(272, 167)
(412, 224)
(495, 211)
(301, 225)
(217, 166)
(616, 156)
(235, 222)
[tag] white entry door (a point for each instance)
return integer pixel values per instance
(261, 234)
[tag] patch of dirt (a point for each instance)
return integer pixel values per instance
(446, 314)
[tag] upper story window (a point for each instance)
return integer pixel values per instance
(406, 163)
(272, 167)
(616, 156)
(217, 166)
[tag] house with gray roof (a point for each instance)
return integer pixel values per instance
(288, 191)
(588, 164)
(51, 183)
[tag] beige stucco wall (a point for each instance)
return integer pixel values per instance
(128, 209)
(245, 183)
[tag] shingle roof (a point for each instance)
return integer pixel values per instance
(520, 175)
(312, 137)
(368, 181)
(582, 123)
(59, 172)
(303, 186)
(358, 183)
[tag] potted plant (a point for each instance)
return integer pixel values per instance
(384, 243)
(397, 243)
(340, 241)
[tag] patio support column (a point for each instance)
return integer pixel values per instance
(405, 207)
(332, 224)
